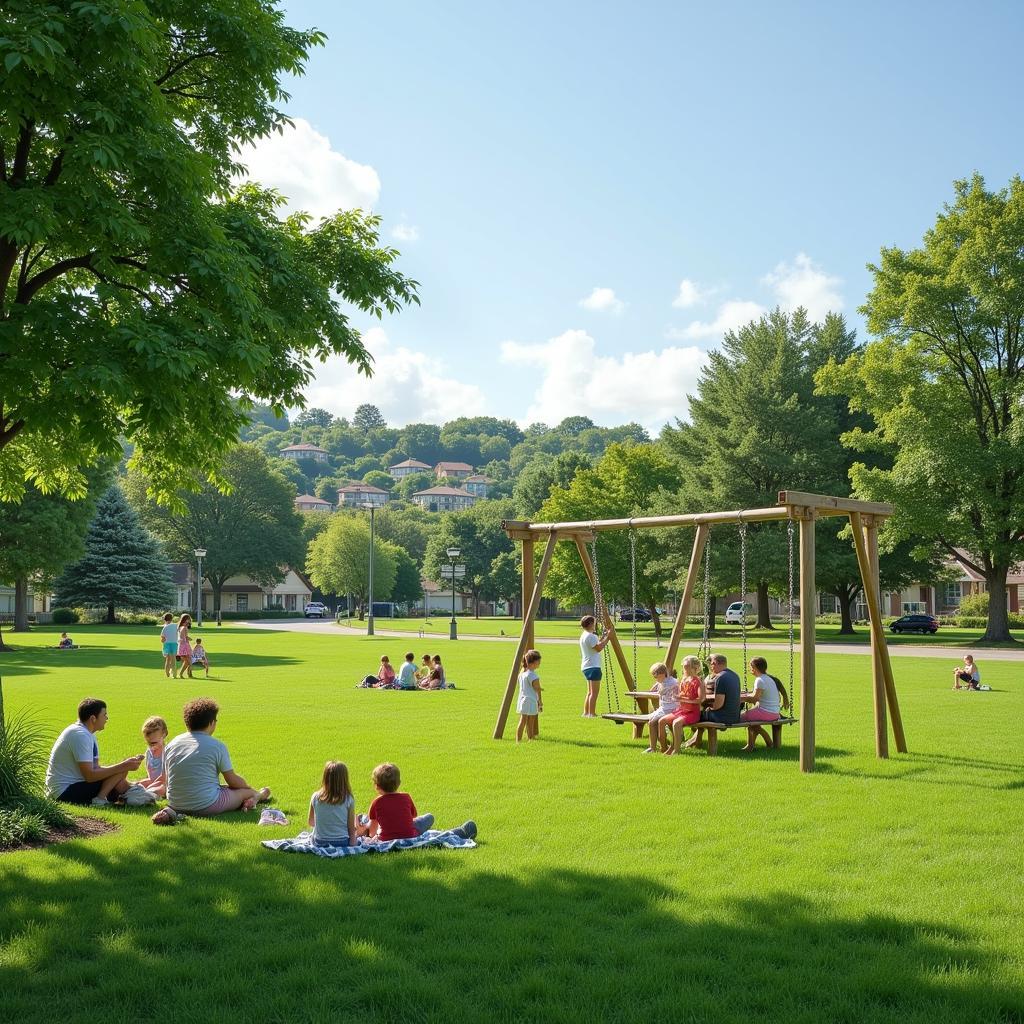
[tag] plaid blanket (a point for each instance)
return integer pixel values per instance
(303, 843)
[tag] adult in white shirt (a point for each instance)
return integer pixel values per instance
(74, 774)
(194, 763)
(591, 647)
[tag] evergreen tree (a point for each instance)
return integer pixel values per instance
(123, 565)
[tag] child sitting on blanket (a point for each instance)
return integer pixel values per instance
(332, 808)
(66, 643)
(154, 732)
(667, 689)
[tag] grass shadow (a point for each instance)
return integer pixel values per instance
(430, 937)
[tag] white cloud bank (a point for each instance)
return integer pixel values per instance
(603, 300)
(690, 294)
(731, 315)
(407, 386)
(300, 163)
(648, 387)
(804, 283)
(405, 232)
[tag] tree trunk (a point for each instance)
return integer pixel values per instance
(998, 628)
(218, 586)
(21, 605)
(845, 596)
(110, 615)
(656, 619)
(3, 647)
(764, 615)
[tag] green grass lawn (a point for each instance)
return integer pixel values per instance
(947, 636)
(608, 885)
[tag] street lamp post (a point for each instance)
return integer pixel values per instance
(200, 554)
(369, 617)
(453, 553)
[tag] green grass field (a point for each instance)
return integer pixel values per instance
(947, 636)
(608, 885)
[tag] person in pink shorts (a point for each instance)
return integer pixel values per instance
(691, 690)
(768, 697)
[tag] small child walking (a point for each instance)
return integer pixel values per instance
(154, 732)
(530, 703)
(332, 808)
(667, 688)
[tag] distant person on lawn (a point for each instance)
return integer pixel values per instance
(969, 675)
(194, 763)
(184, 646)
(74, 774)
(169, 643)
(407, 673)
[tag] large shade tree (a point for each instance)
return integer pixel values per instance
(338, 561)
(944, 387)
(123, 565)
(251, 529)
(134, 269)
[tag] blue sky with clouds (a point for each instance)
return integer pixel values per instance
(591, 193)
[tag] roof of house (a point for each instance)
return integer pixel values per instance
(361, 489)
(303, 448)
(477, 478)
(443, 492)
(410, 464)
(1015, 576)
(454, 465)
(311, 499)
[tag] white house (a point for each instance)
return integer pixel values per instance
(477, 484)
(362, 494)
(304, 451)
(453, 470)
(407, 468)
(243, 594)
(311, 503)
(444, 499)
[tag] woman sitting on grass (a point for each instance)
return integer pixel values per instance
(385, 674)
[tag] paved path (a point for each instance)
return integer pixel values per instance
(328, 626)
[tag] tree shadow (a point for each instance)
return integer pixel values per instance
(181, 925)
(102, 658)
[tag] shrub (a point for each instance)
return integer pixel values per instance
(971, 622)
(64, 616)
(828, 619)
(54, 815)
(24, 750)
(19, 826)
(137, 618)
(974, 606)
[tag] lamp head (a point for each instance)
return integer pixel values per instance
(200, 552)
(454, 552)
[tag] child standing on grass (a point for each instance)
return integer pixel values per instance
(530, 702)
(691, 691)
(154, 732)
(332, 814)
(667, 688)
(169, 643)
(184, 646)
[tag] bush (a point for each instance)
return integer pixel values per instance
(828, 619)
(53, 814)
(24, 751)
(64, 616)
(20, 826)
(974, 606)
(137, 618)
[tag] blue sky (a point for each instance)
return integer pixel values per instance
(554, 172)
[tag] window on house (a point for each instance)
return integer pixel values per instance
(289, 602)
(241, 602)
(953, 595)
(274, 601)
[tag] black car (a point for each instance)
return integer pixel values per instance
(634, 615)
(916, 624)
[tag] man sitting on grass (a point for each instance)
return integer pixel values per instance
(74, 774)
(194, 762)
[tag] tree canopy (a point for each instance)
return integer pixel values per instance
(338, 560)
(133, 267)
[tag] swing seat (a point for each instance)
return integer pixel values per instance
(714, 728)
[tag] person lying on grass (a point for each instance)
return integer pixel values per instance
(194, 762)
(74, 774)
(332, 811)
(393, 815)
(154, 732)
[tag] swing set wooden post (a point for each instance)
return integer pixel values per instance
(804, 508)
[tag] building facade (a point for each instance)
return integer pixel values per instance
(304, 451)
(356, 495)
(444, 499)
(311, 503)
(407, 468)
(476, 485)
(453, 470)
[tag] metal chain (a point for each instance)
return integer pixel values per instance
(743, 591)
(792, 684)
(704, 650)
(632, 591)
(601, 611)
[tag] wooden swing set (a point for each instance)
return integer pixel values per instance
(796, 507)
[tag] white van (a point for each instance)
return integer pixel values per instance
(737, 612)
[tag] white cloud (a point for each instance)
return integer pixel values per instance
(405, 232)
(300, 163)
(690, 294)
(731, 315)
(648, 387)
(603, 300)
(803, 283)
(407, 386)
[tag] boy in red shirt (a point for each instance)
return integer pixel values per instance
(393, 815)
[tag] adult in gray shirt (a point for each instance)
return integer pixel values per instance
(723, 705)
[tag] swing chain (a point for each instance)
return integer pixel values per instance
(601, 611)
(632, 592)
(743, 591)
(704, 650)
(792, 684)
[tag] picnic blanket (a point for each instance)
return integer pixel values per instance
(303, 843)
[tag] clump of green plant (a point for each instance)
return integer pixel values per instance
(974, 606)
(64, 616)
(19, 826)
(23, 754)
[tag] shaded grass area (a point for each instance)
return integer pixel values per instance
(608, 885)
(947, 636)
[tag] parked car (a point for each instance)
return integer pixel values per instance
(737, 613)
(916, 624)
(634, 615)
(316, 610)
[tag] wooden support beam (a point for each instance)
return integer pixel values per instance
(538, 588)
(529, 579)
(871, 532)
(826, 505)
(699, 542)
(807, 642)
